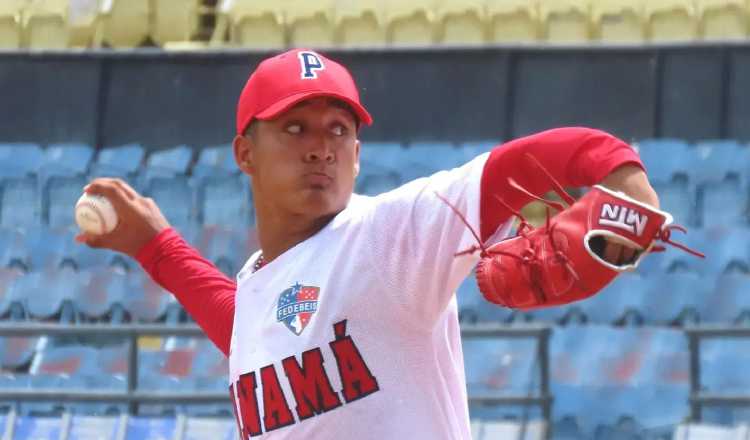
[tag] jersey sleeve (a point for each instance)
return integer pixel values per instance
(205, 293)
(417, 235)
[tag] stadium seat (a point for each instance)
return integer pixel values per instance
(83, 427)
(169, 162)
(724, 364)
(719, 160)
(360, 23)
(258, 24)
(373, 185)
(146, 301)
(100, 291)
(670, 20)
(726, 249)
(666, 358)
(66, 159)
(121, 161)
(60, 197)
(17, 352)
(123, 23)
(20, 204)
(198, 428)
(215, 161)
(29, 427)
(11, 27)
(676, 297)
(7, 278)
(49, 248)
(174, 197)
(500, 366)
(513, 21)
(729, 198)
(625, 295)
(49, 294)
(46, 24)
(476, 148)
(666, 159)
(730, 300)
(432, 157)
(379, 157)
(723, 19)
(174, 20)
(677, 198)
(226, 201)
(461, 22)
(19, 159)
(410, 22)
(565, 21)
(310, 24)
(619, 21)
(472, 307)
(150, 428)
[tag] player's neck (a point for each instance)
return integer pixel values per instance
(278, 234)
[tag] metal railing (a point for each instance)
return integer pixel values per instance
(698, 398)
(133, 396)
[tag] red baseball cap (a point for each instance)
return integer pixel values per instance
(282, 81)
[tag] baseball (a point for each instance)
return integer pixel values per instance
(95, 214)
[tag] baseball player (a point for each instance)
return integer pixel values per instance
(344, 324)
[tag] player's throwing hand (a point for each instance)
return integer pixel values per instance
(140, 219)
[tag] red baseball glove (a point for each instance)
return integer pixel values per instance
(562, 261)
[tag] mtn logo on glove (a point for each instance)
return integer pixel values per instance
(622, 217)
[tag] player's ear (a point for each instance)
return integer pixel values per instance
(356, 158)
(243, 153)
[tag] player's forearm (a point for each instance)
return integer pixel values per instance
(575, 156)
(205, 293)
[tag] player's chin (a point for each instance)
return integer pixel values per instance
(322, 201)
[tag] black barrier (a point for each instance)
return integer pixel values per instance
(106, 98)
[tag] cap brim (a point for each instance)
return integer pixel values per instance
(290, 101)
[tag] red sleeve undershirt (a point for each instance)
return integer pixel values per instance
(574, 156)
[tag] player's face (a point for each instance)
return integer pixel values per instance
(305, 161)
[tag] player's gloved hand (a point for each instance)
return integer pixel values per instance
(139, 218)
(632, 181)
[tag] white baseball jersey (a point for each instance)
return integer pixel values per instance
(353, 333)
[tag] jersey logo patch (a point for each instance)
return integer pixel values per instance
(296, 306)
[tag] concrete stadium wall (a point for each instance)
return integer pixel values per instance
(162, 99)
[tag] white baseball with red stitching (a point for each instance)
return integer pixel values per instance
(95, 214)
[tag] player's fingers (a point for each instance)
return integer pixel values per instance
(109, 189)
(628, 254)
(126, 189)
(612, 252)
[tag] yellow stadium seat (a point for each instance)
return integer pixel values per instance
(11, 35)
(82, 16)
(723, 19)
(461, 21)
(310, 23)
(46, 24)
(619, 20)
(359, 23)
(174, 20)
(251, 23)
(410, 22)
(123, 23)
(565, 21)
(671, 20)
(512, 21)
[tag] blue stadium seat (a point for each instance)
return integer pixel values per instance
(215, 161)
(146, 301)
(151, 428)
(17, 352)
(122, 161)
(625, 295)
(375, 184)
(48, 248)
(67, 159)
(86, 427)
(99, 292)
(724, 365)
(175, 198)
(678, 199)
(65, 361)
(674, 259)
(34, 428)
(718, 160)
(220, 243)
(7, 278)
(167, 163)
(111, 363)
(723, 204)
(226, 201)
(500, 366)
(59, 198)
(199, 428)
(475, 148)
(87, 258)
(20, 159)
(50, 294)
(725, 248)
(676, 297)
(729, 301)
(665, 159)
(666, 358)
(425, 158)
(20, 204)
(384, 155)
